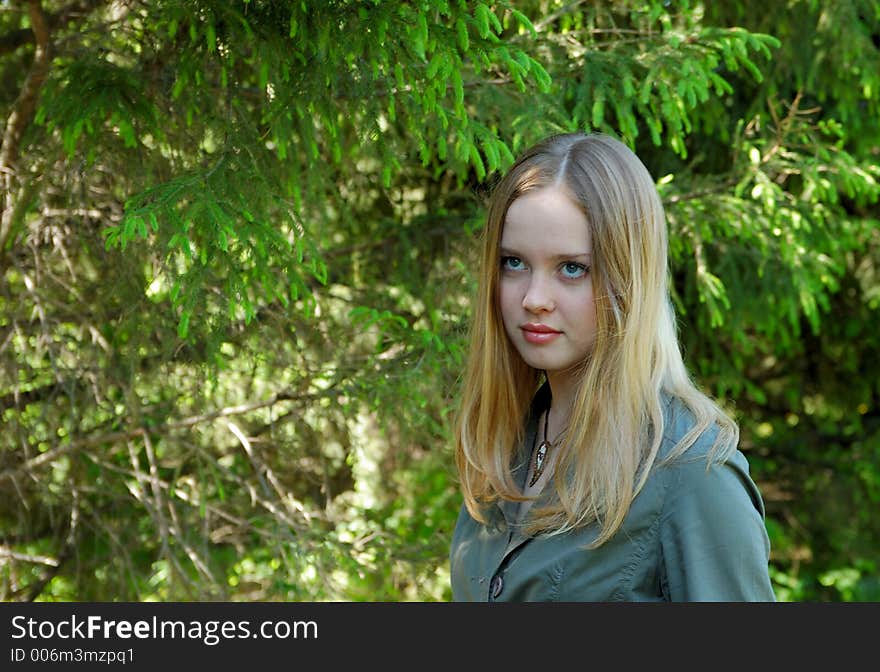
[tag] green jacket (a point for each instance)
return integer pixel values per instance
(690, 535)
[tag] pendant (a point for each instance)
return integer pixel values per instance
(540, 455)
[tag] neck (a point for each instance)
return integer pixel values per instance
(562, 391)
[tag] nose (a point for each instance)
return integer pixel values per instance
(538, 297)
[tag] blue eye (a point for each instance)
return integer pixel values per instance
(512, 264)
(572, 270)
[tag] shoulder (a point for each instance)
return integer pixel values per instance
(713, 540)
(678, 420)
(701, 470)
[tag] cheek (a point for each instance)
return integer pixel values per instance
(507, 297)
(586, 310)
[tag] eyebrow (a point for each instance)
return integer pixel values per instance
(507, 252)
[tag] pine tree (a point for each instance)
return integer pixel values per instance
(237, 248)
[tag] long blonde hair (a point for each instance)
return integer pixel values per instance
(617, 423)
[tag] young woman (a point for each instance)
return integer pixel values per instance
(591, 466)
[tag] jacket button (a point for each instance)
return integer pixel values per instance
(497, 586)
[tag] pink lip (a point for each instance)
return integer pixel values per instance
(539, 333)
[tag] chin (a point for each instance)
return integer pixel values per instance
(540, 363)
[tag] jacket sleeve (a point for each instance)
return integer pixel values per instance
(714, 544)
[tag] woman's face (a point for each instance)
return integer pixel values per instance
(545, 287)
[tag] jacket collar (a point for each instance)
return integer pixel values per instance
(523, 452)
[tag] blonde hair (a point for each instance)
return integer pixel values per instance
(616, 424)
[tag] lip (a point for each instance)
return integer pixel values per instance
(539, 328)
(539, 333)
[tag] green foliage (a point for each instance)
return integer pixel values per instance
(238, 252)
(93, 96)
(213, 236)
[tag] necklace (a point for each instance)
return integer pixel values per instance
(541, 452)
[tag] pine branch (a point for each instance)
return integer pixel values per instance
(15, 39)
(562, 11)
(21, 116)
(114, 437)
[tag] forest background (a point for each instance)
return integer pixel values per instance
(237, 248)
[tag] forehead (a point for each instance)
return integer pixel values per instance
(546, 218)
